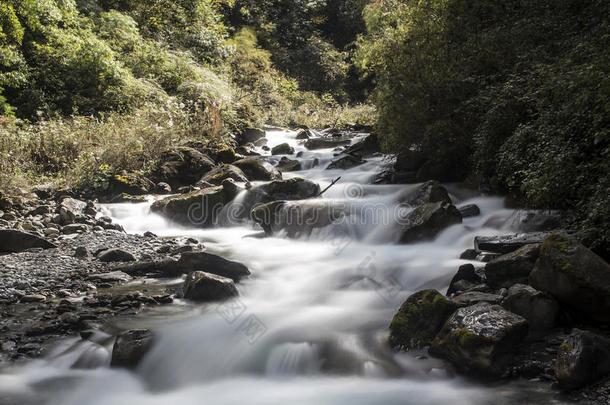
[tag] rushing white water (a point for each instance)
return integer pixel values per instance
(310, 325)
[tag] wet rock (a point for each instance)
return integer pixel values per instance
(74, 228)
(130, 184)
(183, 166)
(469, 254)
(583, 358)
(163, 188)
(366, 147)
(128, 198)
(282, 149)
(112, 277)
(202, 286)
(419, 319)
(486, 257)
(574, 275)
(12, 240)
(210, 263)
(116, 255)
(258, 170)
(538, 220)
(345, 162)
(130, 348)
(220, 173)
(480, 339)
(470, 210)
(197, 208)
(428, 192)
(508, 243)
(539, 309)
(470, 298)
(252, 135)
(325, 143)
(33, 298)
(303, 134)
(288, 165)
(512, 268)
(293, 189)
(427, 220)
(465, 278)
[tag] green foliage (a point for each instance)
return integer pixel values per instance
(515, 92)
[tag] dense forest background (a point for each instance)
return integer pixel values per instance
(510, 96)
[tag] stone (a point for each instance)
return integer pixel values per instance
(512, 268)
(466, 277)
(574, 275)
(220, 173)
(539, 309)
(111, 277)
(419, 319)
(115, 255)
(469, 210)
(130, 184)
(128, 198)
(81, 252)
(303, 134)
(252, 135)
(197, 208)
(130, 348)
(429, 192)
(14, 241)
(583, 358)
(293, 189)
(325, 143)
(366, 147)
(183, 166)
(480, 339)
(428, 220)
(508, 243)
(69, 209)
(282, 149)
(345, 162)
(288, 165)
(74, 228)
(163, 188)
(206, 287)
(469, 254)
(258, 170)
(470, 298)
(210, 263)
(33, 298)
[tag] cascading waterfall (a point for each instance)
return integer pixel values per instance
(310, 325)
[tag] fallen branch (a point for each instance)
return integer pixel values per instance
(329, 186)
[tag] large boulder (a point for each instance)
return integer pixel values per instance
(582, 359)
(325, 143)
(220, 173)
(288, 165)
(14, 241)
(210, 263)
(470, 298)
(197, 208)
(252, 135)
(70, 209)
(480, 339)
(366, 147)
(131, 184)
(508, 243)
(304, 134)
(512, 268)
(419, 319)
(427, 220)
(538, 308)
(130, 348)
(465, 278)
(258, 170)
(183, 166)
(345, 162)
(292, 189)
(575, 276)
(282, 149)
(116, 255)
(298, 218)
(429, 192)
(205, 287)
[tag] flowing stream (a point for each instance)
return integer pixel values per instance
(310, 325)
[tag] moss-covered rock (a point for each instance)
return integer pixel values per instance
(574, 275)
(252, 135)
(197, 208)
(480, 339)
(582, 359)
(130, 184)
(183, 166)
(419, 319)
(292, 189)
(288, 165)
(427, 220)
(512, 268)
(258, 169)
(225, 171)
(282, 149)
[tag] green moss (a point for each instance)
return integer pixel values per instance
(565, 347)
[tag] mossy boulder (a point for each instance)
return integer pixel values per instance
(303, 134)
(288, 165)
(198, 208)
(419, 319)
(429, 192)
(428, 220)
(252, 135)
(538, 308)
(575, 276)
(583, 358)
(220, 173)
(183, 166)
(130, 184)
(480, 339)
(258, 169)
(282, 149)
(512, 268)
